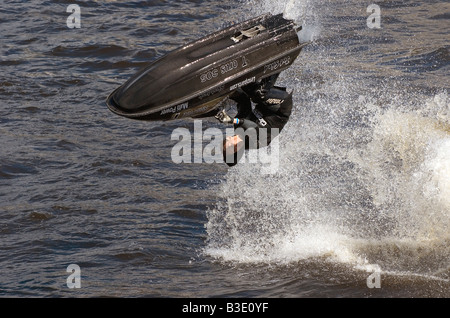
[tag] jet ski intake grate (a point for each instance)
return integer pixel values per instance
(249, 33)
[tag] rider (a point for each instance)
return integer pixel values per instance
(261, 106)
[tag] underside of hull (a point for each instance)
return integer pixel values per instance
(193, 80)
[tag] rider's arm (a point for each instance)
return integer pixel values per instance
(243, 102)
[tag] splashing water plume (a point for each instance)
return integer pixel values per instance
(364, 168)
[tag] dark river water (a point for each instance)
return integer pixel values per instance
(359, 205)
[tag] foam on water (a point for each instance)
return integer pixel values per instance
(408, 165)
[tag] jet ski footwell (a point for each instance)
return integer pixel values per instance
(193, 80)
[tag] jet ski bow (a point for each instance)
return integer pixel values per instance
(193, 80)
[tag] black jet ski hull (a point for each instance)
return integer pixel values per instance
(193, 80)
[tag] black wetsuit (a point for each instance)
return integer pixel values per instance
(261, 106)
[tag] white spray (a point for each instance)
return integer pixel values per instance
(363, 176)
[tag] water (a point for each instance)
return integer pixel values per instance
(362, 187)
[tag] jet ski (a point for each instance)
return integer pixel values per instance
(193, 80)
